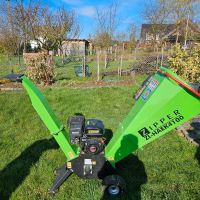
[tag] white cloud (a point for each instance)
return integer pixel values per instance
(88, 11)
(72, 2)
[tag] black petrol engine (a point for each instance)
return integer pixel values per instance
(88, 134)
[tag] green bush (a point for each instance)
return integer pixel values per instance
(186, 63)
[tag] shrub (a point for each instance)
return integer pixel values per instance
(186, 63)
(40, 67)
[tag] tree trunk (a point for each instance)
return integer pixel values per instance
(105, 60)
(135, 52)
(24, 50)
(115, 53)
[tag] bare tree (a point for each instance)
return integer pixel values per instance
(20, 18)
(157, 12)
(183, 10)
(131, 30)
(55, 28)
(121, 37)
(107, 22)
(9, 41)
(34, 22)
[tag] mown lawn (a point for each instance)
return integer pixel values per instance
(164, 169)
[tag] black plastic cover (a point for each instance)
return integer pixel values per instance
(94, 127)
(76, 128)
(14, 77)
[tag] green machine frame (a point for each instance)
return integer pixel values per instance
(164, 102)
(47, 115)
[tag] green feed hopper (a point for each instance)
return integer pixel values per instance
(163, 103)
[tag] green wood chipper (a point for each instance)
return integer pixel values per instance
(164, 101)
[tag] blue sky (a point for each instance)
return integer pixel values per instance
(128, 11)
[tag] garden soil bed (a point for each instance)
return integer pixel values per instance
(11, 86)
(96, 84)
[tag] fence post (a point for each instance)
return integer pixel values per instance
(121, 60)
(98, 66)
(162, 50)
(118, 70)
(83, 66)
(121, 63)
(157, 59)
(105, 61)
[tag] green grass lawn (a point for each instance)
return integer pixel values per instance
(164, 169)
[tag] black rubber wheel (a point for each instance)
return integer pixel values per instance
(114, 185)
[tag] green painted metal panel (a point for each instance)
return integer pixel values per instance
(49, 118)
(162, 106)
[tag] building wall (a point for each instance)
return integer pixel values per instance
(34, 44)
(74, 47)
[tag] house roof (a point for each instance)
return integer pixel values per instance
(76, 40)
(168, 29)
(156, 28)
(191, 25)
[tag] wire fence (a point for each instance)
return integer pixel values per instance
(99, 66)
(103, 66)
(11, 64)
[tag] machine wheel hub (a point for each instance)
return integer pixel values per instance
(113, 190)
